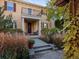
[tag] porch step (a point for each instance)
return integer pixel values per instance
(42, 48)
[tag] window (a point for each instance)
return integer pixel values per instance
(10, 6)
(44, 25)
(29, 11)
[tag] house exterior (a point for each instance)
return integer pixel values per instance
(31, 18)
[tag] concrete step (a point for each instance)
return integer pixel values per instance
(37, 47)
(42, 48)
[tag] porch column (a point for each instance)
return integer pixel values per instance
(22, 20)
(39, 27)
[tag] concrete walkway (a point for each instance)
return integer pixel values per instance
(39, 42)
(49, 55)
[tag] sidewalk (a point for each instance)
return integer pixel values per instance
(49, 55)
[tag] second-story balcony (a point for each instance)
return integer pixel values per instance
(31, 13)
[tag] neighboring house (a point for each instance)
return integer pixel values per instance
(31, 18)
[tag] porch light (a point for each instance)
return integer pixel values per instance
(45, 25)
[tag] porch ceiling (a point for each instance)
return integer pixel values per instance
(30, 19)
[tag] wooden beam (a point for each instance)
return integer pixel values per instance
(61, 2)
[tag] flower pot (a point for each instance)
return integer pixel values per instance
(31, 43)
(30, 46)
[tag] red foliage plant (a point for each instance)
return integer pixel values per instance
(13, 41)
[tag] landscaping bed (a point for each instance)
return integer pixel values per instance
(13, 46)
(53, 37)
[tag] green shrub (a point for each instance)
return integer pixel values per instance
(31, 41)
(59, 24)
(46, 33)
(11, 30)
(53, 30)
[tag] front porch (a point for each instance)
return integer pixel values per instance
(31, 27)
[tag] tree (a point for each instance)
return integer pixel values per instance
(55, 13)
(71, 40)
(8, 22)
(5, 21)
(71, 46)
(1, 17)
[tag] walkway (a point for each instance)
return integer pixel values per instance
(49, 55)
(39, 42)
(45, 54)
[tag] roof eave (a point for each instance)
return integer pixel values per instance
(61, 3)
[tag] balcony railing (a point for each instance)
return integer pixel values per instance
(33, 13)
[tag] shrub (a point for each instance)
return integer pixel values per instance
(13, 46)
(52, 36)
(45, 31)
(11, 30)
(45, 35)
(57, 39)
(31, 41)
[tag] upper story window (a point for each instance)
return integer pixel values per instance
(10, 6)
(29, 11)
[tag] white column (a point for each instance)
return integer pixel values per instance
(14, 24)
(39, 27)
(22, 20)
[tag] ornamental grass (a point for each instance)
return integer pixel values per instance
(13, 46)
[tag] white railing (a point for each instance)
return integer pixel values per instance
(34, 13)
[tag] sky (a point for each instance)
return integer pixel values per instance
(39, 2)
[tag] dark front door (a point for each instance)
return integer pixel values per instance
(29, 27)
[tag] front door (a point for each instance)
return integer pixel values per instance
(29, 27)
